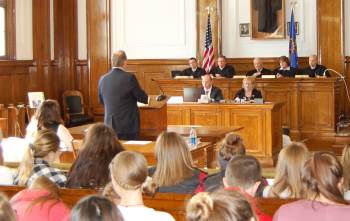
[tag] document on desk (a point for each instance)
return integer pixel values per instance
(137, 142)
(175, 100)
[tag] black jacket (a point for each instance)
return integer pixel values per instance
(317, 71)
(119, 92)
(197, 74)
(286, 73)
(228, 71)
(215, 94)
(267, 14)
(241, 94)
(264, 71)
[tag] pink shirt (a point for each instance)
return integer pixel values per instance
(47, 211)
(312, 211)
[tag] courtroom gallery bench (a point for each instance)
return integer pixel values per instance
(168, 202)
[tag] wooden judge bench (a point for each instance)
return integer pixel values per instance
(310, 106)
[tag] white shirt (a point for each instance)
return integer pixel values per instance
(208, 91)
(62, 132)
(137, 213)
(6, 176)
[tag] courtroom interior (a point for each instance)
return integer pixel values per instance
(187, 110)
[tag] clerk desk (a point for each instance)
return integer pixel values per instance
(310, 105)
(262, 127)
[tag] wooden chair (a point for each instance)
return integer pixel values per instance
(74, 111)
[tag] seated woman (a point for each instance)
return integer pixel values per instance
(285, 70)
(248, 91)
(6, 211)
(90, 169)
(287, 182)
(6, 173)
(221, 205)
(48, 116)
(322, 179)
(37, 159)
(92, 208)
(232, 145)
(174, 171)
(129, 173)
(41, 201)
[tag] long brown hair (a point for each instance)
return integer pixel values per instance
(48, 114)
(345, 160)
(231, 146)
(221, 205)
(6, 211)
(45, 141)
(174, 160)
(99, 147)
(322, 175)
(290, 162)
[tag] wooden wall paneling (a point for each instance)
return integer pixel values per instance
(98, 46)
(82, 80)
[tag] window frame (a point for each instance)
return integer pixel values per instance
(10, 29)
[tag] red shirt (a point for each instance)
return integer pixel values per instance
(262, 216)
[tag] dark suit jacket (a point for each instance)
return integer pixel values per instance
(317, 71)
(119, 91)
(267, 14)
(215, 94)
(241, 94)
(197, 74)
(264, 71)
(227, 72)
(286, 73)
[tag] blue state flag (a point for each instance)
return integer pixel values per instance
(293, 52)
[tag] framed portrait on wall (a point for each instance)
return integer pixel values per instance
(268, 19)
(244, 30)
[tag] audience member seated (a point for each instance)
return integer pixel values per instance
(248, 91)
(243, 174)
(223, 70)
(345, 160)
(285, 70)
(322, 179)
(48, 116)
(6, 211)
(259, 70)
(232, 145)
(174, 171)
(221, 205)
(193, 70)
(41, 201)
(287, 182)
(90, 169)
(129, 173)
(212, 92)
(37, 159)
(314, 69)
(93, 208)
(6, 173)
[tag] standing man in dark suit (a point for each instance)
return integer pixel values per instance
(223, 70)
(119, 92)
(193, 70)
(259, 69)
(214, 93)
(314, 69)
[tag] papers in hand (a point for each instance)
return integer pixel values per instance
(137, 142)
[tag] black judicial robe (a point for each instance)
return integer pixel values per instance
(228, 71)
(264, 71)
(317, 71)
(196, 74)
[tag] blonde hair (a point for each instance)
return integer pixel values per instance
(221, 205)
(129, 170)
(231, 146)
(45, 141)
(6, 211)
(251, 79)
(345, 160)
(290, 162)
(174, 160)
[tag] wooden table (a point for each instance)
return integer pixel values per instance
(202, 154)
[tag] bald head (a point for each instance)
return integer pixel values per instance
(258, 63)
(313, 60)
(119, 59)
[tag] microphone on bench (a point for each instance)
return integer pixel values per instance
(162, 96)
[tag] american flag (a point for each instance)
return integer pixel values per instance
(208, 56)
